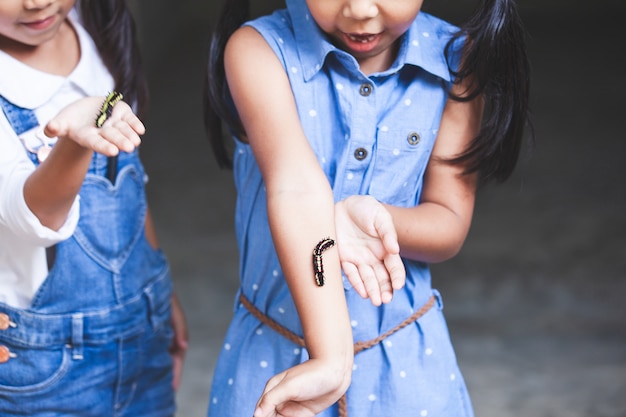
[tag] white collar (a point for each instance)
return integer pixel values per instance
(27, 87)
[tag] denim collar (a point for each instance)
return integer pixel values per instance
(29, 88)
(422, 46)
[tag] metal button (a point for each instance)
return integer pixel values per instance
(366, 89)
(413, 138)
(360, 154)
(5, 354)
(5, 322)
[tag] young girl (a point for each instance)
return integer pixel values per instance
(351, 116)
(85, 326)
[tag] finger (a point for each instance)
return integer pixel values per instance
(137, 125)
(352, 273)
(55, 128)
(177, 370)
(386, 230)
(274, 395)
(395, 268)
(293, 408)
(97, 143)
(128, 132)
(122, 111)
(384, 282)
(134, 123)
(371, 284)
(113, 135)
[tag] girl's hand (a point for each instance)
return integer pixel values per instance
(180, 342)
(76, 122)
(368, 248)
(304, 390)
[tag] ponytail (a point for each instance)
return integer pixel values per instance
(112, 27)
(217, 101)
(495, 62)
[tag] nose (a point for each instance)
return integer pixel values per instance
(360, 9)
(36, 4)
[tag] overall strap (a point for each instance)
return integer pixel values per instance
(20, 118)
(358, 346)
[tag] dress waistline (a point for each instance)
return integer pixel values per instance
(358, 346)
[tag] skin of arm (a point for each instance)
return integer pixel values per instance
(301, 213)
(51, 189)
(435, 230)
(371, 234)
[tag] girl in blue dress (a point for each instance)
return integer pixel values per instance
(362, 129)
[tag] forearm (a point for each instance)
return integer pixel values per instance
(435, 229)
(429, 232)
(298, 223)
(51, 189)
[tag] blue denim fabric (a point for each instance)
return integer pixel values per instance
(21, 119)
(95, 340)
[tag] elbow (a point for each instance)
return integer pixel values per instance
(438, 256)
(450, 249)
(438, 251)
(449, 252)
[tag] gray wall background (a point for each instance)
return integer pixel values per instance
(535, 300)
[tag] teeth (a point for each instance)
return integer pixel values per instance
(361, 38)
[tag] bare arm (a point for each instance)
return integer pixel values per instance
(51, 189)
(370, 233)
(435, 230)
(301, 213)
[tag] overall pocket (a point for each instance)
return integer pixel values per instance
(33, 369)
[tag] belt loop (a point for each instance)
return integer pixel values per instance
(77, 336)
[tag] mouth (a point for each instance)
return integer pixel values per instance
(361, 42)
(40, 23)
(361, 38)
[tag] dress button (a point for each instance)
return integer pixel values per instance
(413, 138)
(366, 89)
(5, 322)
(5, 354)
(360, 154)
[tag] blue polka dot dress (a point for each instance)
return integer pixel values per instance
(372, 135)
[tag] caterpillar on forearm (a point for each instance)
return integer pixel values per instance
(318, 265)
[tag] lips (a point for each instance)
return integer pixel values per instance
(361, 42)
(40, 24)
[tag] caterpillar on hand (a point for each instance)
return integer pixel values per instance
(107, 107)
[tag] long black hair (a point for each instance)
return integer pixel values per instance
(494, 62)
(112, 27)
(216, 98)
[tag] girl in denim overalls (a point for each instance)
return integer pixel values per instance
(86, 325)
(359, 122)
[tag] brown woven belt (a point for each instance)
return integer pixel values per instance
(358, 346)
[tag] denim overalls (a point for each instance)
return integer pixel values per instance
(95, 340)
